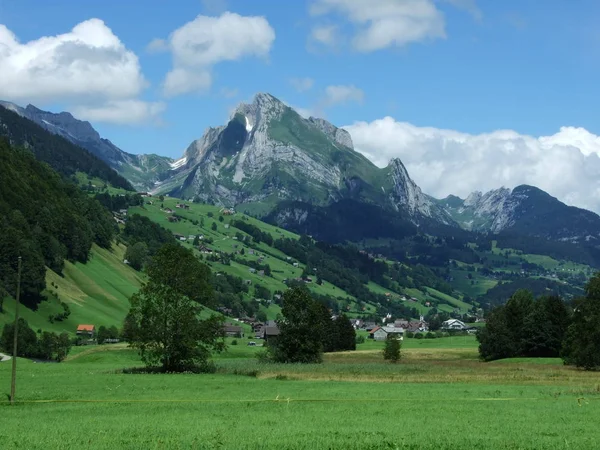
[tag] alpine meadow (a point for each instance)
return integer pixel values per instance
(324, 224)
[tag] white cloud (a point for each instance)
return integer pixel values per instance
(157, 46)
(302, 84)
(89, 69)
(384, 23)
(88, 61)
(205, 41)
(324, 35)
(443, 162)
(341, 94)
(125, 112)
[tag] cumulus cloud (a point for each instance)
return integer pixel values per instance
(88, 67)
(383, 23)
(127, 112)
(206, 41)
(443, 162)
(302, 84)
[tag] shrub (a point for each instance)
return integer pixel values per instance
(410, 334)
(418, 335)
(430, 335)
(234, 342)
(360, 339)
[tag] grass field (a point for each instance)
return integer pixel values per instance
(438, 397)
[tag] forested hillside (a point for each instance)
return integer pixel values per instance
(45, 220)
(63, 156)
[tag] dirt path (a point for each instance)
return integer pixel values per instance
(4, 357)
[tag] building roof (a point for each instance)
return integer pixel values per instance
(393, 329)
(374, 330)
(232, 329)
(85, 328)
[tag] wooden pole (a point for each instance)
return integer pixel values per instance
(16, 335)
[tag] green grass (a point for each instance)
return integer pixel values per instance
(435, 398)
(97, 293)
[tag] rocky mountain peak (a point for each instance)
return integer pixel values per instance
(338, 135)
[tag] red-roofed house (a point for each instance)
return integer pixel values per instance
(86, 330)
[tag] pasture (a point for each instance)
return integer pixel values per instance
(438, 397)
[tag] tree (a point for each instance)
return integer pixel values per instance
(300, 336)
(261, 316)
(581, 346)
(545, 327)
(26, 340)
(177, 267)
(196, 241)
(495, 339)
(221, 219)
(164, 327)
(391, 352)
(137, 254)
(345, 335)
(214, 226)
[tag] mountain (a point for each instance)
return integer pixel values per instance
(267, 154)
(524, 210)
(61, 154)
(143, 171)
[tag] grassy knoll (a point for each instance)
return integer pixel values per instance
(436, 398)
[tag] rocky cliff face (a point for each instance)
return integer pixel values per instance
(406, 195)
(338, 135)
(143, 171)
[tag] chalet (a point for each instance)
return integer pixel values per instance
(228, 211)
(233, 331)
(172, 219)
(251, 252)
(368, 326)
(178, 236)
(252, 270)
(182, 206)
(453, 324)
(206, 250)
(295, 264)
(168, 211)
(417, 327)
(261, 273)
(401, 323)
(86, 330)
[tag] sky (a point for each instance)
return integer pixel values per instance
(470, 94)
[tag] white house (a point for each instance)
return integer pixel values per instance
(453, 324)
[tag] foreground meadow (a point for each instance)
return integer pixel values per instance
(438, 397)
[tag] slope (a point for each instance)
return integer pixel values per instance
(62, 155)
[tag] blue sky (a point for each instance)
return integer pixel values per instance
(457, 67)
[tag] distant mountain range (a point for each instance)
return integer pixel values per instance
(305, 174)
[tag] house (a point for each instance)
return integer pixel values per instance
(368, 326)
(179, 237)
(172, 219)
(228, 211)
(381, 333)
(453, 324)
(233, 331)
(268, 331)
(295, 264)
(168, 211)
(252, 270)
(182, 206)
(86, 330)
(261, 273)
(251, 252)
(401, 323)
(248, 282)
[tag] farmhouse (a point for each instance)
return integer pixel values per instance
(381, 333)
(233, 331)
(86, 330)
(269, 330)
(454, 324)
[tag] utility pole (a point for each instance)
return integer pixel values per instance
(16, 335)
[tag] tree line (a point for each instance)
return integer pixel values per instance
(48, 346)
(545, 327)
